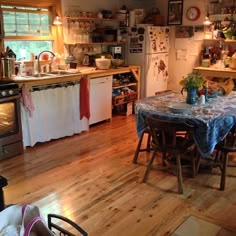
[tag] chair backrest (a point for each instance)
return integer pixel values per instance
(58, 228)
(170, 136)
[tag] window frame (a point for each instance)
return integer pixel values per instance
(54, 8)
(51, 37)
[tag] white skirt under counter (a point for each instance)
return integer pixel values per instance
(56, 114)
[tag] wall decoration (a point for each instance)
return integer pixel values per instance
(193, 13)
(184, 31)
(175, 12)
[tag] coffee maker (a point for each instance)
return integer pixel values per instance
(116, 52)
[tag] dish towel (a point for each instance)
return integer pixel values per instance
(84, 98)
(27, 100)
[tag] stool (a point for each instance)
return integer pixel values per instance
(3, 183)
(148, 145)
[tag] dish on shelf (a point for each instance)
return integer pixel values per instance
(180, 108)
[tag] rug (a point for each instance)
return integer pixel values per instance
(195, 226)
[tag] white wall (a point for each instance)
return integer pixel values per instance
(94, 5)
(180, 68)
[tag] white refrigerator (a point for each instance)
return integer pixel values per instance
(148, 47)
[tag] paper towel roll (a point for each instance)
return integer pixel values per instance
(132, 18)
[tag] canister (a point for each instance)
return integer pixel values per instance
(7, 67)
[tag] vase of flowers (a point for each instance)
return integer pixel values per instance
(191, 84)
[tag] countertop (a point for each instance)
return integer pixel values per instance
(89, 72)
(216, 71)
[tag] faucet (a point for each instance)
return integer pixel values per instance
(39, 67)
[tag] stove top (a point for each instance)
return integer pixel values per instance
(8, 89)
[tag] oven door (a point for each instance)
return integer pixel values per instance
(10, 127)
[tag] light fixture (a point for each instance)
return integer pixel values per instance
(57, 20)
(206, 21)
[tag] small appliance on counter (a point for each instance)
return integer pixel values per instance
(116, 52)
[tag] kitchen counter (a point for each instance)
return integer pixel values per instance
(216, 71)
(55, 110)
(91, 73)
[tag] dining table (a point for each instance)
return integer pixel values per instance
(212, 119)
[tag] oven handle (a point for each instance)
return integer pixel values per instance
(7, 99)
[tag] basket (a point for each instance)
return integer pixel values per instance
(121, 99)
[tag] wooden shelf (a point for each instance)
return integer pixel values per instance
(223, 40)
(124, 85)
(92, 18)
(96, 43)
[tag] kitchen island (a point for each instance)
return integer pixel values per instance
(50, 107)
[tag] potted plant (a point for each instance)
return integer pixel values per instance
(192, 83)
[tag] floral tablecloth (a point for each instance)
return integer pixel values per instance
(213, 120)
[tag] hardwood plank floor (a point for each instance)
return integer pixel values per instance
(91, 179)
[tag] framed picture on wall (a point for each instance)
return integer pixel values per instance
(175, 12)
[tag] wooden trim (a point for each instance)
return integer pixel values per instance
(27, 11)
(39, 38)
(30, 3)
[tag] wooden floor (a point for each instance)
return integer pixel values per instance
(91, 179)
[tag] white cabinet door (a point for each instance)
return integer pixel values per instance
(100, 99)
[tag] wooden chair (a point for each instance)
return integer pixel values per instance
(145, 132)
(139, 146)
(228, 145)
(3, 183)
(59, 230)
(168, 139)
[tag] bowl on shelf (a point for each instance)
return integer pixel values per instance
(103, 63)
(117, 62)
(107, 14)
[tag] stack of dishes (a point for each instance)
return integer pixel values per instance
(180, 108)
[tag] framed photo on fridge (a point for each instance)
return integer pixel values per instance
(175, 12)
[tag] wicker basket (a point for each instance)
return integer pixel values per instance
(122, 99)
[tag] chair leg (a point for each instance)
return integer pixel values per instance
(195, 163)
(138, 149)
(148, 147)
(223, 172)
(149, 166)
(179, 175)
(193, 167)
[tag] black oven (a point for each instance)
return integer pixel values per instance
(11, 142)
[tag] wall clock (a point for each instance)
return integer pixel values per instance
(193, 13)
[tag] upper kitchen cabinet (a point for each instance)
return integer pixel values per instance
(93, 28)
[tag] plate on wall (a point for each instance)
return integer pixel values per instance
(180, 108)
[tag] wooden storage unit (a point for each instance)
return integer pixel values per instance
(125, 91)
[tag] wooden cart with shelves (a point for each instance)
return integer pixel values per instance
(125, 92)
